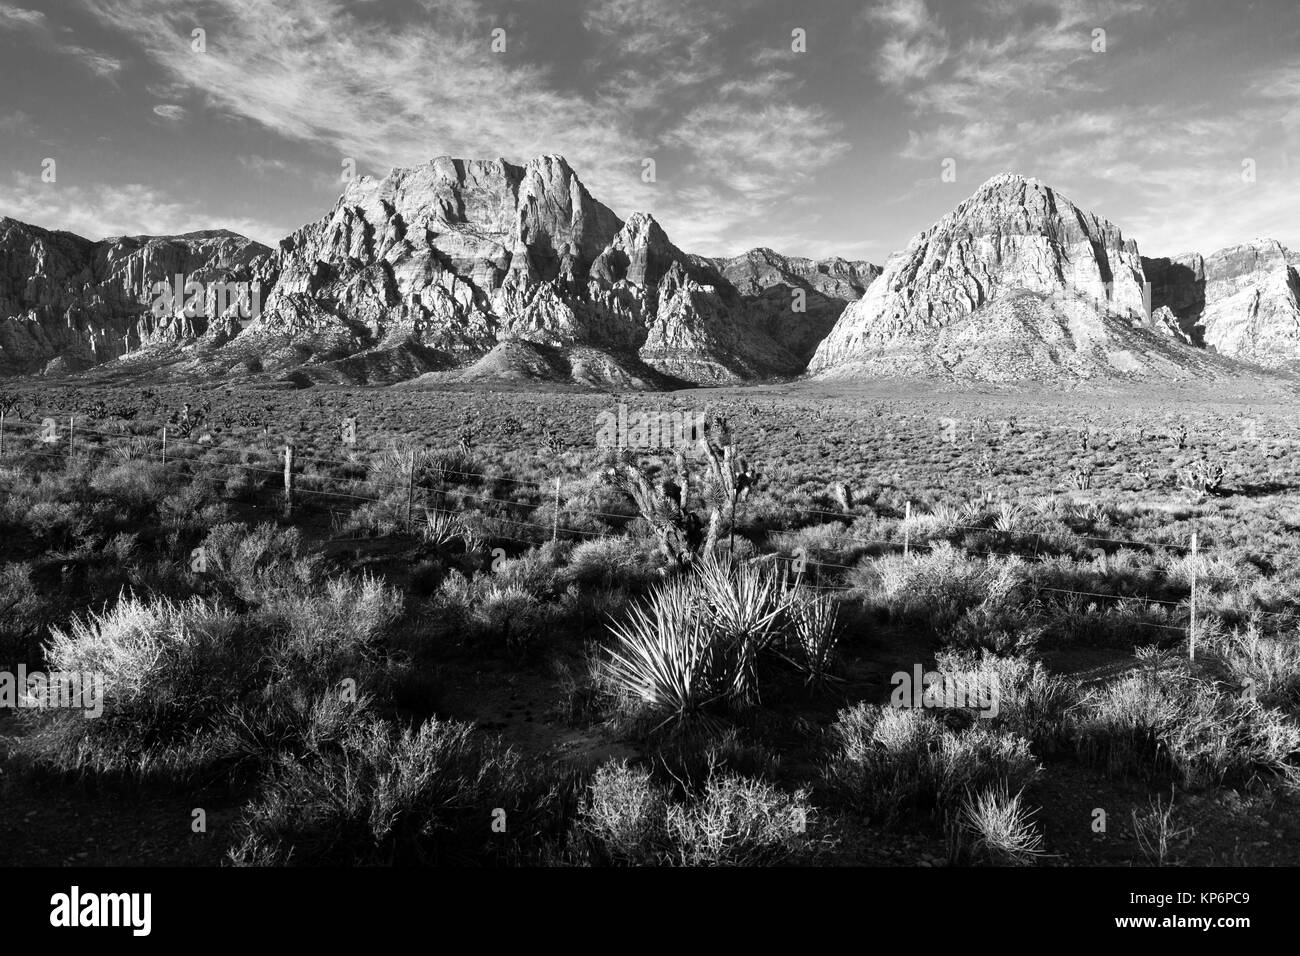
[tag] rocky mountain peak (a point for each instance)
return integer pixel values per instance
(1012, 235)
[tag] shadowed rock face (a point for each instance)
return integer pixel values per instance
(82, 302)
(1242, 301)
(1014, 234)
(770, 283)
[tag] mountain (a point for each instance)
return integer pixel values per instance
(482, 270)
(78, 303)
(1015, 284)
(1242, 301)
(769, 281)
(445, 262)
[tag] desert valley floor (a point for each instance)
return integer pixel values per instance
(463, 565)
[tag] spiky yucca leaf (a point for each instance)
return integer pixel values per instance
(743, 603)
(667, 652)
(814, 634)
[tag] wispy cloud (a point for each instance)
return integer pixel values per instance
(37, 28)
(118, 209)
(352, 85)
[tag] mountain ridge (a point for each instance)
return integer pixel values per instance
(426, 273)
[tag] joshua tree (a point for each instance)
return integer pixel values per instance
(843, 496)
(684, 535)
(1203, 478)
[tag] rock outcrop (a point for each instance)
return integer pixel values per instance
(775, 285)
(456, 258)
(67, 303)
(1242, 301)
(1017, 283)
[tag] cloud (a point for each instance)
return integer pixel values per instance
(14, 17)
(127, 209)
(915, 45)
(170, 112)
(17, 124)
(389, 94)
(47, 36)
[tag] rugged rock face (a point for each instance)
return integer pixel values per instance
(1016, 271)
(771, 282)
(76, 303)
(455, 257)
(1242, 301)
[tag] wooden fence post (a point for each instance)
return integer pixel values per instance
(1191, 627)
(555, 522)
(288, 479)
(907, 531)
(410, 487)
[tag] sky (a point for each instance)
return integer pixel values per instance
(816, 128)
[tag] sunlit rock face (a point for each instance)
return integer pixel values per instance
(1243, 301)
(459, 256)
(1016, 270)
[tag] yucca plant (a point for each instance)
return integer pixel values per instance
(697, 639)
(814, 632)
(441, 528)
(666, 655)
(743, 603)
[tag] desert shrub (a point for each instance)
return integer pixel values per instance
(834, 543)
(169, 672)
(533, 573)
(1032, 703)
(1212, 572)
(1267, 666)
(509, 616)
(1165, 724)
(938, 586)
(886, 760)
(56, 523)
(138, 484)
(322, 636)
(379, 795)
(1123, 623)
(731, 821)
(1001, 827)
(192, 507)
(251, 563)
(24, 615)
(609, 562)
(738, 821)
(625, 813)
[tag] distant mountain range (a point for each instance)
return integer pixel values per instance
(477, 271)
